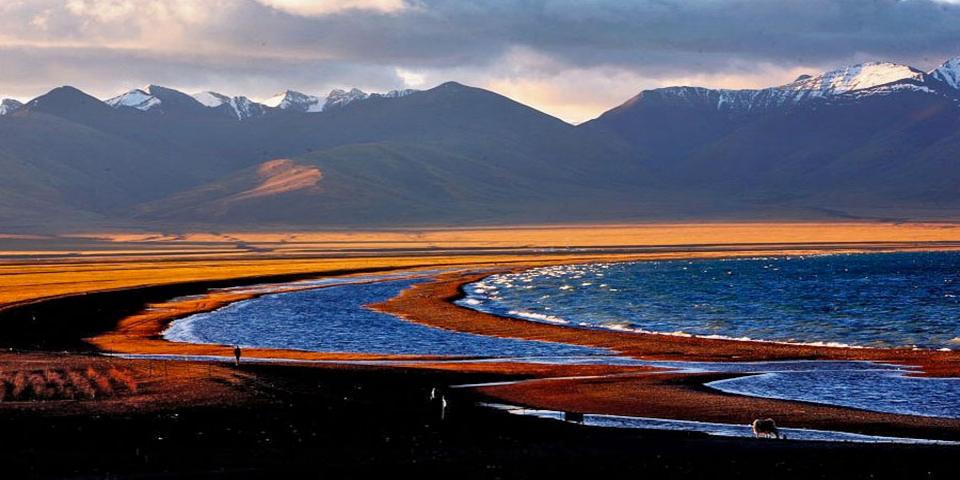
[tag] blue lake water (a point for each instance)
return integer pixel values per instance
(870, 388)
(334, 319)
(876, 300)
(866, 385)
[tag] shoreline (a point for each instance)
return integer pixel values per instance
(141, 332)
(627, 391)
(432, 303)
(685, 396)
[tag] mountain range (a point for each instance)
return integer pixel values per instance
(155, 98)
(870, 141)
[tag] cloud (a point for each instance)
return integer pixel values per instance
(572, 58)
(326, 7)
(410, 78)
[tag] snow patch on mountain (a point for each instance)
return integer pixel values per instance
(240, 107)
(9, 105)
(243, 108)
(300, 102)
(397, 93)
(246, 108)
(295, 101)
(890, 89)
(339, 98)
(135, 98)
(876, 78)
(855, 77)
(211, 99)
(948, 73)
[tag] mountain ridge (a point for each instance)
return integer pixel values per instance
(874, 149)
(870, 78)
(872, 141)
(844, 80)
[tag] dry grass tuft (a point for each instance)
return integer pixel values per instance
(66, 384)
(123, 381)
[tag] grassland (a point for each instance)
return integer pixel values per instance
(42, 266)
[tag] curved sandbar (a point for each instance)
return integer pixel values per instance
(141, 333)
(432, 303)
(683, 396)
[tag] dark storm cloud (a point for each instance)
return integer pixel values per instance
(109, 71)
(667, 33)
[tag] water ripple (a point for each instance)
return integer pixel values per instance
(871, 300)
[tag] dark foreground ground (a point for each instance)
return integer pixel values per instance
(350, 423)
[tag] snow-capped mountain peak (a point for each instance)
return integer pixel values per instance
(295, 101)
(948, 73)
(211, 99)
(397, 93)
(152, 96)
(9, 105)
(301, 102)
(277, 99)
(875, 78)
(246, 108)
(851, 78)
(339, 98)
(135, 98)
(240, 107)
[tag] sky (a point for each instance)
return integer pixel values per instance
(571, 58)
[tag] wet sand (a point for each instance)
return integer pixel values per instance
(684, 397)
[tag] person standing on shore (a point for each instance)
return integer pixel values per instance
(236, 355)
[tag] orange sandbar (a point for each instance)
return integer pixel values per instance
(432, 304)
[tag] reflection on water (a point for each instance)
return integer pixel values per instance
(878, 300)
